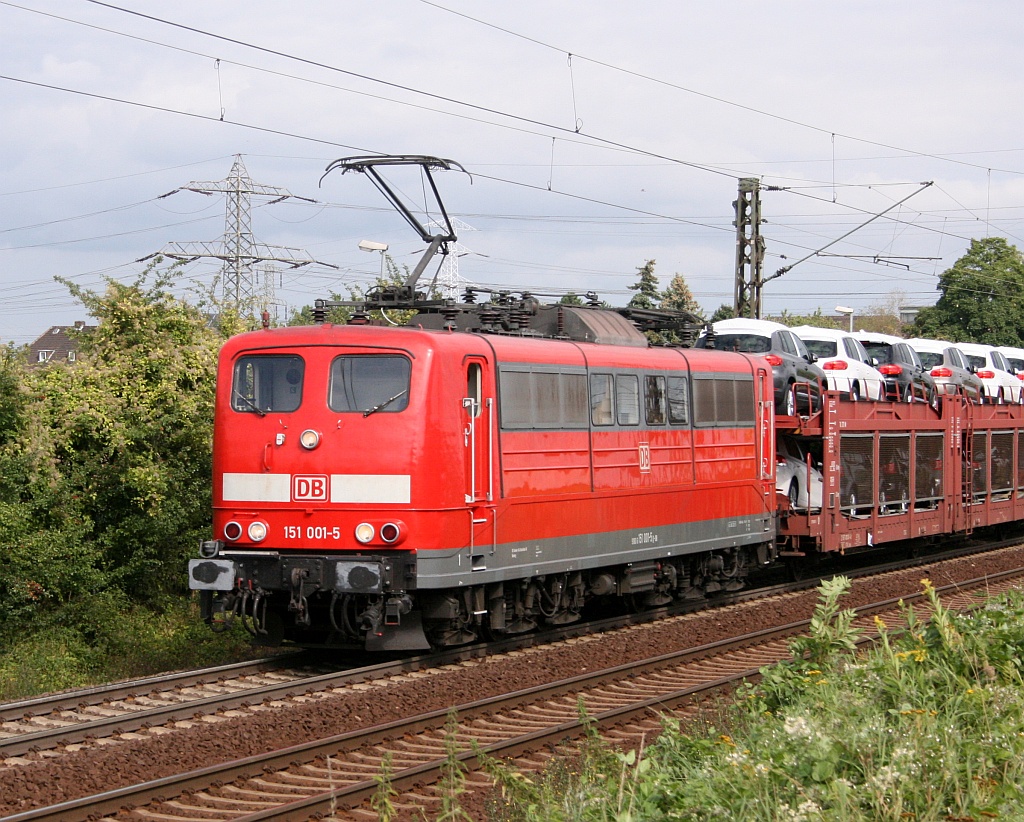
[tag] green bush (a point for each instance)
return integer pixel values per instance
(108, 638)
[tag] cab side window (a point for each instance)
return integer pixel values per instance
(654, 400)
(601, 401)
(627, 399)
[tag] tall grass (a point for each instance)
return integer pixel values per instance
(929, 725)
(110, 639)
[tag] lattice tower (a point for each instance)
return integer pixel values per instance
(238, 248)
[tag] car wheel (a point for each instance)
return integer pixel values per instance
(855, 392)
(908, 395)
(789, 401)
(794, 494)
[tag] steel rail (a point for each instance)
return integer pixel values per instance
(119, 690)
(354, 794)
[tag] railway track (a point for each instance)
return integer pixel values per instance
(130, 709)
(72, 717)
(337, 772)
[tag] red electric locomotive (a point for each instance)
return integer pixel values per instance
(402, 487)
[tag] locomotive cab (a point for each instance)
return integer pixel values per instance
(336, 462)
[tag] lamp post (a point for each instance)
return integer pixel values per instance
(373, 245)
(843, 309)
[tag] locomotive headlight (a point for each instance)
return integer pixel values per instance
(257, 531)
(232, 531)
(309, 439)
(364, 532)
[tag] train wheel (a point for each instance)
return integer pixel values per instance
(805, 567)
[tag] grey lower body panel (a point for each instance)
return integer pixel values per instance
(437, 569)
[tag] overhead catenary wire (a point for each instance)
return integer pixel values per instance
(230, 40)
(411, 89)
(785, 269)
(650, 78)
(653, 214)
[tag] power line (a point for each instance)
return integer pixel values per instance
(410, 89)
(722, 100)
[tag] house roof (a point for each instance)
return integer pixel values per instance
(58, 344)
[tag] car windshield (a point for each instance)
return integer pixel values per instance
(929, 359)
(975, 360)
(821, 348)
(879, 351)
(744, 343)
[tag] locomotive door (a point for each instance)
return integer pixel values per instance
(479, 434)
(765, 415)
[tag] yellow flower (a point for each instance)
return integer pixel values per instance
(879, 623)
(926, 584)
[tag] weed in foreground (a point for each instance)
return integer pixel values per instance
(927, 726)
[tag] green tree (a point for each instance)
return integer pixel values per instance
(981, 297)
(723, 312)
(679, 297)
(646, 288)
(340, 315)
(817, 320)
(106, 486)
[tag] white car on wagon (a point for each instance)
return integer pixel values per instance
(1015, 357)
(994, 371)
(847, 365)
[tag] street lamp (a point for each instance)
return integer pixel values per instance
(842, 309)
(371, 246)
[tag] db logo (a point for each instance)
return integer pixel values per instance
(645, 458)
(309, 487)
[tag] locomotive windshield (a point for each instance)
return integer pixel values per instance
(267, 383)
(368, 383)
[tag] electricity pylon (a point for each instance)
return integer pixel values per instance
(238, 249)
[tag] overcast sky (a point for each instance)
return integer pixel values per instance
(597, 136)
